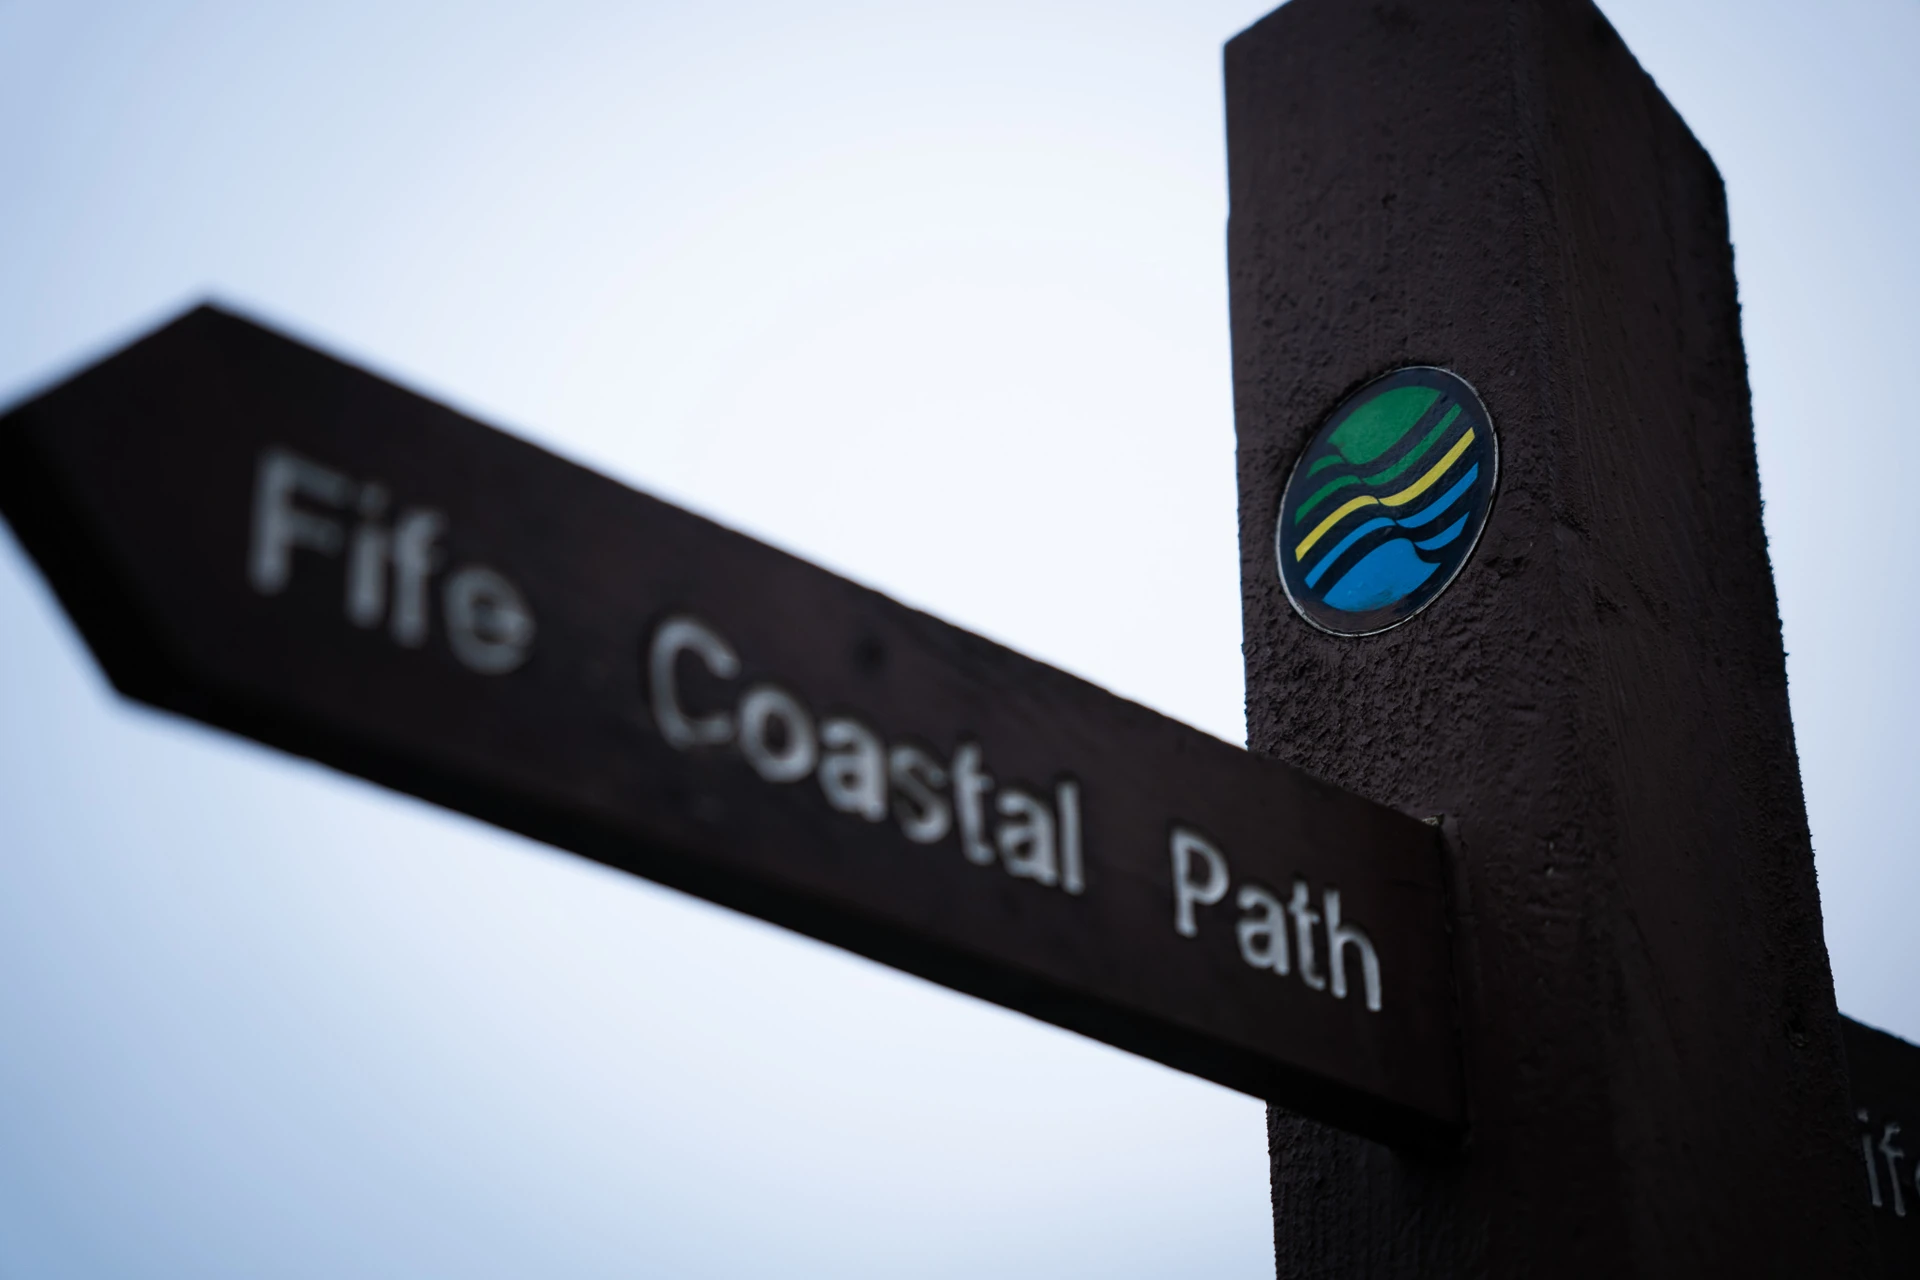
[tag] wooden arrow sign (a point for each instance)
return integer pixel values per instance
(255, 535)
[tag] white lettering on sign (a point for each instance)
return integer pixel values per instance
(1032, 837)
(918, 803)
(1191, 851)
(1029, 835)
(1201, 879)
(389, 570)
(1886, 1149)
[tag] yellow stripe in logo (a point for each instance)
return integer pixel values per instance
(1401, 498)
(1425, 482)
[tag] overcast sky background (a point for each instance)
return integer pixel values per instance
(932, 293)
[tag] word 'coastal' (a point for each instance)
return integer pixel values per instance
(861, 774)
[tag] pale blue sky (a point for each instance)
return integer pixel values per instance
(865, 280)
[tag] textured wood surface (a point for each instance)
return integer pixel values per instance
(1599, 704)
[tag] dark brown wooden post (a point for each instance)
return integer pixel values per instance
(1598, 703)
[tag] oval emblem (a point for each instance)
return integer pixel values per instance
(1387, 502)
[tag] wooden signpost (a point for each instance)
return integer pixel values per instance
(1655, 1075)
(1503, 566)
(258, 536)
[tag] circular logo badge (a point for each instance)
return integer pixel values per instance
(1386, 504)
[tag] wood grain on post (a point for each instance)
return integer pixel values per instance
(1655, 1074)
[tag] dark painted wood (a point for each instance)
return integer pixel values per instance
(1885, 1075)
(1599, 702)
(138, 486)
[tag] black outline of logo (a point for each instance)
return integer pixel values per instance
(1375, 621)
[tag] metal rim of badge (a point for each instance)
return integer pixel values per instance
(1418, 438)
